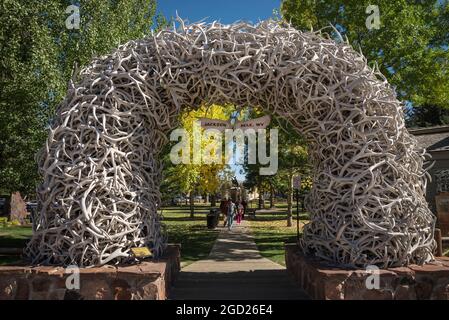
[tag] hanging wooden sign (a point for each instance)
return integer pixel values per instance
(259, 123)
(215, 124)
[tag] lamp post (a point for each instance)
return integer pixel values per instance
(297, 186)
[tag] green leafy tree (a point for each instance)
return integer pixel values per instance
(196, 177)
(253, 179)
(293, 160)
(38, 56)
(427, 116)
(410, 46)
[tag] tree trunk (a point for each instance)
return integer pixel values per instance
(290, 201)
(271, 196)
(192, 205)
(7, 207)
(207, 198)
(260, 204)
(213, 200)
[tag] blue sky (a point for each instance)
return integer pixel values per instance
(225, 11)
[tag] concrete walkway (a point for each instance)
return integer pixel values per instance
(235, 270)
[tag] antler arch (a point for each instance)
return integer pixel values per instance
(101, 174)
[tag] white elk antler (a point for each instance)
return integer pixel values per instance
(101, 174)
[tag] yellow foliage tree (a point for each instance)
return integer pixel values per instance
(193, 177)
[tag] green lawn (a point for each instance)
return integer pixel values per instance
(269, 229)
(13, 237)
(271, 232)
(195, 239)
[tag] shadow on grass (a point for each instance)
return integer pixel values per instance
(277, 217)
(271, 243)
(7, 242)
(187, 209)
(13, 259)
(195, 239)
(14, 237)
(183, 218)
(195, 245)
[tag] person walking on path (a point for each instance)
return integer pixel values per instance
(224, 210)
(231, 213)
(239, 212)
(245, 205)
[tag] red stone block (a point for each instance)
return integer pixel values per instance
(146, 280)
(320, 281)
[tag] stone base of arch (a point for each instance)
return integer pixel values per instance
(322, 282)
(148, 280)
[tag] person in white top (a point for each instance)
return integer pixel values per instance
(231, 213)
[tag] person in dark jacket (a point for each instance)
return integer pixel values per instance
(244, 204)
(224, 210)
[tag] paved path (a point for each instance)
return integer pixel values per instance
(271, 210)
(235, 270)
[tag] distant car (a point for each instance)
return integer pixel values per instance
(2, 206)
(198, 198)
(31, 206)
(178, 200)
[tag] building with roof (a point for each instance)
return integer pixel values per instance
(436, 141)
